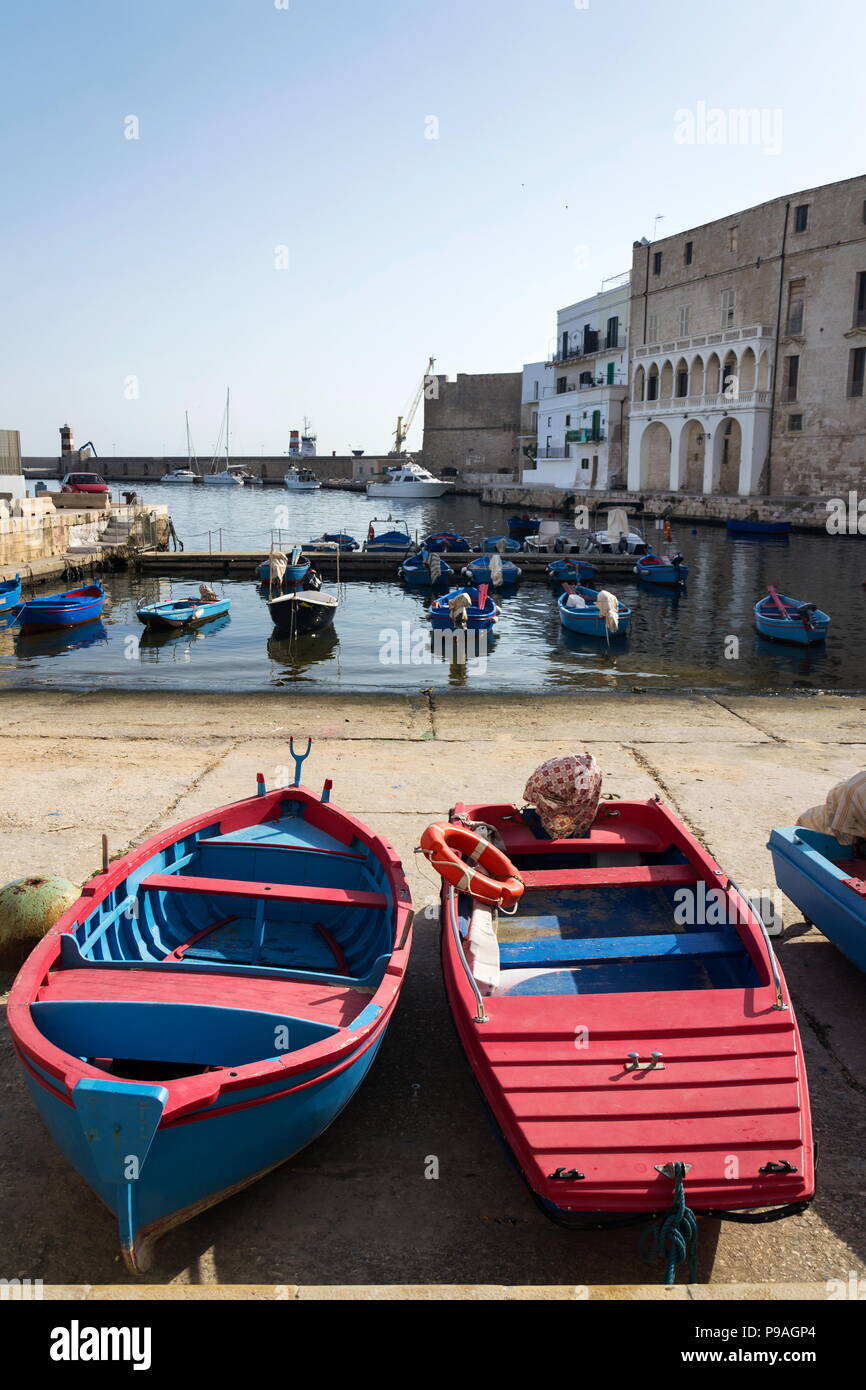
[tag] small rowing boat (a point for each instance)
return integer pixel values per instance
(71, 609)
(784, 619)
(303, 611)
(181, 612)
(471, 608)
(211, 1003)
(396, 540)
(591, 613)
(425, 571)
(506, 545)
(757, 528)
(341, 539)
(661, 569)
(568, 568)
(494, 569)
(629, 1053)
(446, 542)
(10, 593)
(827, 882)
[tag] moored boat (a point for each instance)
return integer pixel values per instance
(70, 609)
(305, 610)
(10, 593)
(631, 1056)
(758, 528)
(471, 608)
(212, 1002)
(826, 880)
(394, 539)
(341, 539)
(593, 612)
(786, 619)
(662, 569)
(407, 479)
(519, 527)
(506, 545)
(423, 570)
(181, 612)
(569, 568)
(301, 480)
(446, 542)
(494, 569)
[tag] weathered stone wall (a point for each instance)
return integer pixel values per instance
(46, 534)
(808, 512)
(145, 469)
(473, 423)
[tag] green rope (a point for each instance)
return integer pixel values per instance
(674, 1237)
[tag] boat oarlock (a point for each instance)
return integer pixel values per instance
(448, 847)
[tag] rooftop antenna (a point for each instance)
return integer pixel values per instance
(659, 217)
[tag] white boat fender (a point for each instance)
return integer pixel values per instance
(575, 601)
(482, 948)
(496, 569)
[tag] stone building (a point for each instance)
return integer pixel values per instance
(11, 476)
(748, 347)
(471, 425)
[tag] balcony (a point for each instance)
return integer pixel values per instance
(686, 405)
(560, 451)
(706, 340)
(585, 351)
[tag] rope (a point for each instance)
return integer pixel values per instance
(674, 1237)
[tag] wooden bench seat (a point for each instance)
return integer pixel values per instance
(278, 892)
(626, 875)
(556, 953)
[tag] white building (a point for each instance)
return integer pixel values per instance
(577, 398)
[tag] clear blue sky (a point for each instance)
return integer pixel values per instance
(305, 127)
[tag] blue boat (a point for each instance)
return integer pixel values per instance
(504, 544)
(344, 542)
(479, 572)
(566, 567)
(420, 571)
(393, 541)
(758, 528)
(589, 621)
(70, 609)
(446, 542)
(211, 1003)
(181, 612)
(827, 882)
(519, 527)
(658, 569)
(784, 619)
(294, 572)
(481, 614)
(10, 593)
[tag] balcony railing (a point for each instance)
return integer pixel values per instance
(558, 451)
(575, 353)
(712, 401)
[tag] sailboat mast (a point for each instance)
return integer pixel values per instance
(227, 429)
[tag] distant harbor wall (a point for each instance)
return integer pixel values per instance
(271, 468)
(810, 513)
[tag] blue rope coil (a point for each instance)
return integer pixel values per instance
(674, 1237)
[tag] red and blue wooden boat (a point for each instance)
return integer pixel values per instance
(658, 569)
(625, 1035)
(10, 593)
(211, 1003)
(181, 613)
(71, 609)
(784, 619)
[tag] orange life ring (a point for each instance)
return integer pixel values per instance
(448, 847)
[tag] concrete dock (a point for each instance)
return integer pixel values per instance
(244, 564)
(355, 1210)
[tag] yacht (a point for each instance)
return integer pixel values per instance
(231, 475)
(301, 480)
(407, 480)
(183, 475)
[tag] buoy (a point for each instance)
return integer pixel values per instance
(29, 907)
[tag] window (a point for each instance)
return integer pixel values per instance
(652, 387)
(567, 421)
(791, 378)
(795, 423)
(688, 252)
(801, 217)
(729, 304)
(682, 383)
(864, 209)
(860, 301)
(733, 238)
(796, 300)
(657, 263)
(685, 314)
(856, 371)
(561, 383)
(549, 418)
(652, 328)
(584, 463)
(565, 343)
(612, 336)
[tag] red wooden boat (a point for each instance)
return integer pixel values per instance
(626, 1032)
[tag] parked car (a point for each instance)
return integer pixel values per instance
(83, 482)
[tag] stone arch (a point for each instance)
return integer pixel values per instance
(666, 384)
(748, 370)
(696, 376)
(639, 384)
(655, 457)
(692, 451)
(727, 445)
(713, 376)
(652, 382)
(730, 375)
(764, 371)
(681, 379)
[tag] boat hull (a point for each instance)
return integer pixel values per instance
(588, 622)
(477, 619)
(61, 610)
(10, 594)
(758, 528)
(407, 489)
(168, 618)
(302, 613)
(667, 575)
(481, 574)
(820, 876)
(770, 623)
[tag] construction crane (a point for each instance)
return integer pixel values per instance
(404, 423)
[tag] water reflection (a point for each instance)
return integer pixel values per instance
(59, 641)
(297, 655)
(180, 641)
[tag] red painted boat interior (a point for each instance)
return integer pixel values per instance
(599, 971)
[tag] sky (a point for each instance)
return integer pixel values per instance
(321, 194)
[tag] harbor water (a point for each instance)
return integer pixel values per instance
(702, 638)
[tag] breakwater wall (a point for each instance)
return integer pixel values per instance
(806, 513)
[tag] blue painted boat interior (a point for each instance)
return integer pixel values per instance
(812, 870)
(611, 940)
(330, 944)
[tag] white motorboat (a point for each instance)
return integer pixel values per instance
(618, 536)
(408, 480)
(301, 480)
